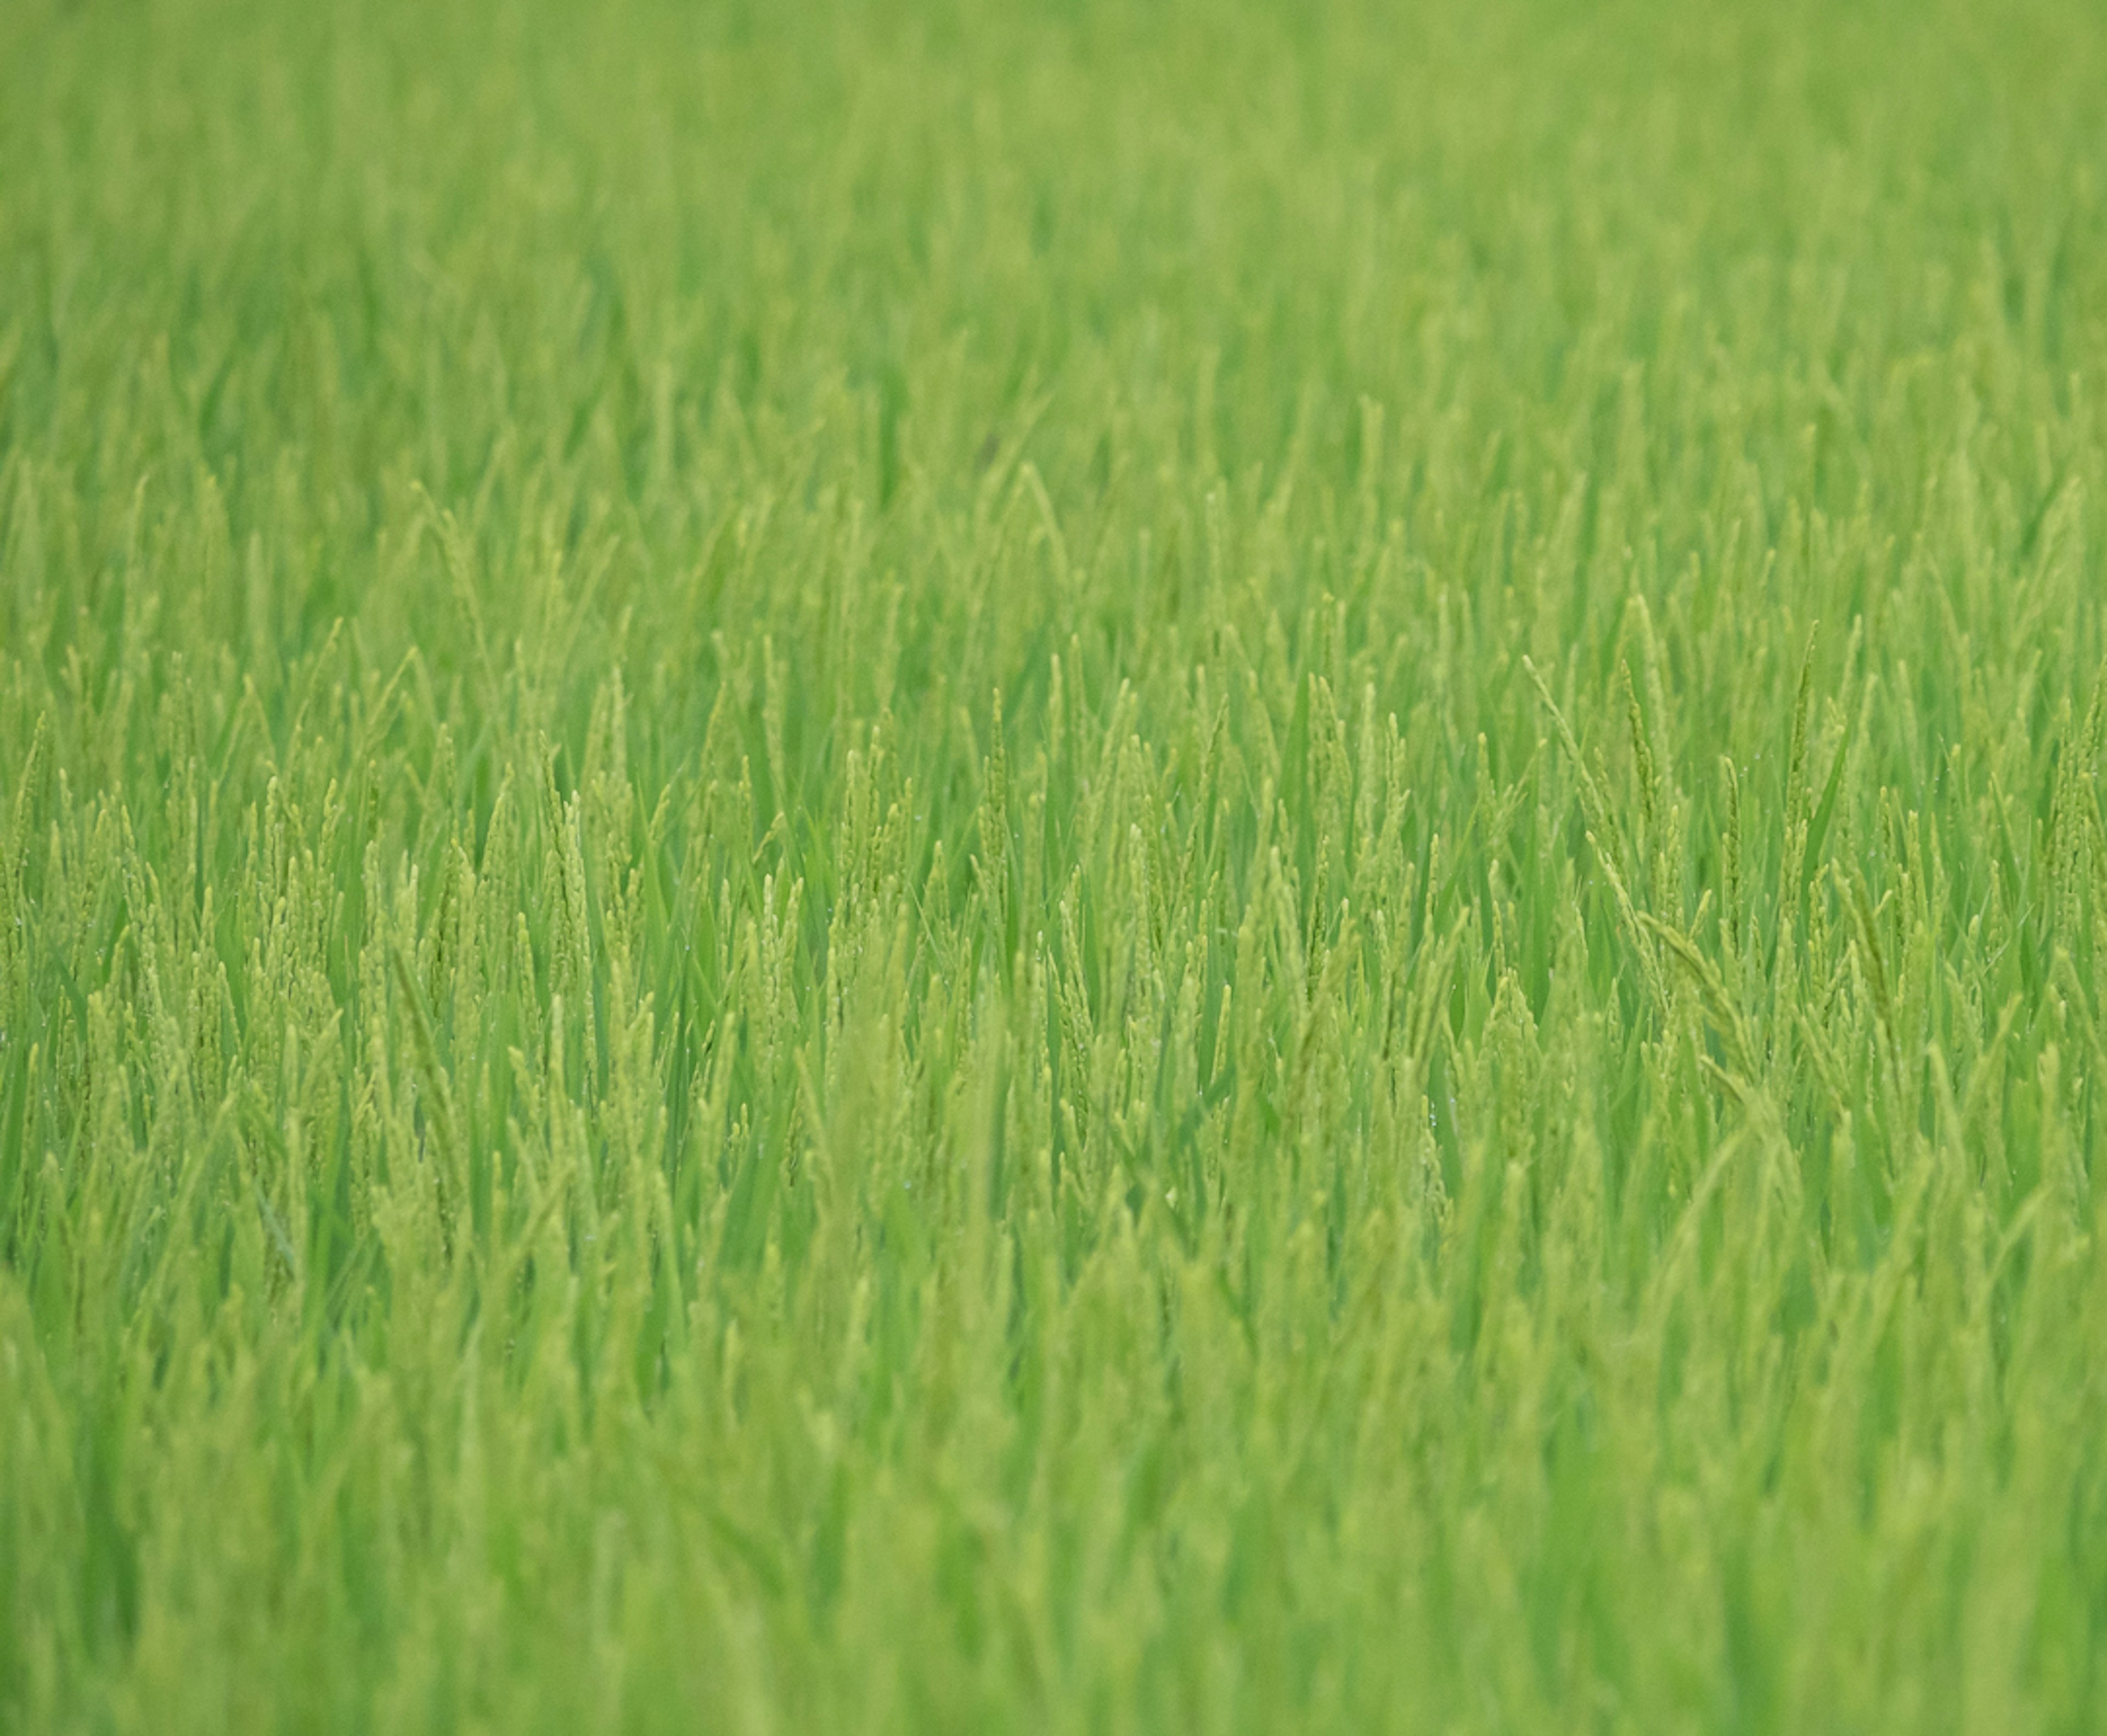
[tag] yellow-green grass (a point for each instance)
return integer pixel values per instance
(1101, 868)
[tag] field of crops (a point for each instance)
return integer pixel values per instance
(1110, 866)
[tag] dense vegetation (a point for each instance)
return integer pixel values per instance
(1094, 868)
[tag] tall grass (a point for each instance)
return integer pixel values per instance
(1070, 868)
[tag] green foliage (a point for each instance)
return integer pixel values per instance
(1107, 867)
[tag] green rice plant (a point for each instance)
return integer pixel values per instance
(1055, 867)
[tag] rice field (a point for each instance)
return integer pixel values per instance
(1053, 868)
